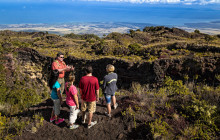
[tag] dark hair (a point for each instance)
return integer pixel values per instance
(54, 78)
(59, 54)
(88, 69)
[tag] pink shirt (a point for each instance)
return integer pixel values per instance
(69, 95)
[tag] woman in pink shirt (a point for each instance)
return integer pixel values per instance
(72, 101)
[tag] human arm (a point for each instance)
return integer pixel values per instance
(74, 92)
(97, 95)
(104, 84)
(71, 68)
(97, 90)
(61, 67)
(67, 68)
(76, 100)
(81, 93)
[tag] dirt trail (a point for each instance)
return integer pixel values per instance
(106, 128)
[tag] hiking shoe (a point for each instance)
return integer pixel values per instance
(74, 126)
(109, 115)
(52, 119)
(60, 120)
(92, 124)
(84, 121)
(115, 106)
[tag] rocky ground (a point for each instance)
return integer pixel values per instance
(116, 127)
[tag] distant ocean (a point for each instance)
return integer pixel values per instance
(71, 12)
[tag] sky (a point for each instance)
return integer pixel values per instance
(185, 2)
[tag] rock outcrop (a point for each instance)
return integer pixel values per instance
(206, 68)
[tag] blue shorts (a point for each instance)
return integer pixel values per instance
(108, 98)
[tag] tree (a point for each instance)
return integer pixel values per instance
(197, 31)
(131, 32)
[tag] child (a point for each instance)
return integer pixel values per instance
(72, 101)
(109, 88)
(56, 97)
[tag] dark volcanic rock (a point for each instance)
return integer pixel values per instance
(145, 73)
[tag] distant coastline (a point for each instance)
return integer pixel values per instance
(104, 28)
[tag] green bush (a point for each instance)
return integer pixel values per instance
(160, 129)
(197, 31)
(135, 48)
(200, 110)
(20, 96)
(10, 127)
(172, 87)
(199, 131)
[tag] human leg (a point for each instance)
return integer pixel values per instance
(115, 105)
(108, 104)
(52, 117)
(73, 114)
(83, 108)
(57, 111)
(90, 118)
(91, 109)
(73, 117)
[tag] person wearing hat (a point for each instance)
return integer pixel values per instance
(109, 88)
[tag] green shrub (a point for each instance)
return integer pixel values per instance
(197, 31)
(3, 88)
(10, 127)
(208, 93)
(160, 129)
(199, 131)
(200, 110)
(172, 87)
(134, 48)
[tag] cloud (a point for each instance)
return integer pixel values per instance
(187, 2)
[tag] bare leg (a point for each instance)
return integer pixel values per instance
(52, 114)
(83, 115)
(90, 118)
(56, 117)
(109, 108)
(113, 100)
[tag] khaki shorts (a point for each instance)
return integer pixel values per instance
(62, 84)
(91, 106)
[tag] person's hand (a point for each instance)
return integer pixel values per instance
(72, 68)
(68, 67)
(97, 99)
(77, 107)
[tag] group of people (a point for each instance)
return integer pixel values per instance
(89, 92)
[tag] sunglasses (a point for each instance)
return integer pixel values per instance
(61, 57)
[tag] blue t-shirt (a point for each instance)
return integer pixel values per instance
(54, 90)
